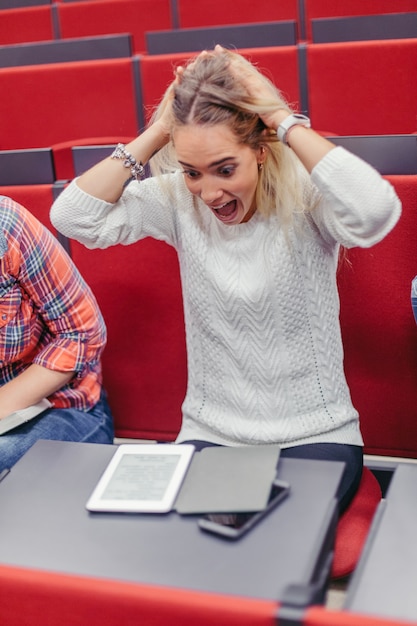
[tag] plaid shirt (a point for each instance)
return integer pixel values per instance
(48, 315)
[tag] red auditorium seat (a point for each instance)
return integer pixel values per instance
(380, 343)
(321, 616)
(380, 334)
(375, 286)
(363, 88)
(144, 364)
(68, 102)
(36, 198)
(62, 152)
(353, 526)
(81, 19)
(26, 24)
(193, 14)
(260, 34)
(340, 8)
(37, 597)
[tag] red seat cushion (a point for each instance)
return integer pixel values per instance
(354, 525)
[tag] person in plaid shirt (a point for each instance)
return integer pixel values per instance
(52, 335)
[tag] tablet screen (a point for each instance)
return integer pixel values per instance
(142, 478)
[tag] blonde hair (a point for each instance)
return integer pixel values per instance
(208, 93)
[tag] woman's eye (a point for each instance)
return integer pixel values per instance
(191, 174)
(226, 171)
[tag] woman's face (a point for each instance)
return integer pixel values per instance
(219, 170)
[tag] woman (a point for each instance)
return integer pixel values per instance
(257, 206)
(51, 339)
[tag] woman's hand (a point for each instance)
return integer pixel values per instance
(164, 119)
(259, 89)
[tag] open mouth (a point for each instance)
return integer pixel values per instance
(226, 212)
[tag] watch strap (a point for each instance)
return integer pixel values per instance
(295, 119)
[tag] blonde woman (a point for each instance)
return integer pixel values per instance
(257, 205)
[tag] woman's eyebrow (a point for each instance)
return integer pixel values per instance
(214, 164)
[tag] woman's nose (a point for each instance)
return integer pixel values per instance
(210, 192)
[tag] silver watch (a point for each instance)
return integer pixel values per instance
(291, 120)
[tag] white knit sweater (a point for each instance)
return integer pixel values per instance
(265, 356)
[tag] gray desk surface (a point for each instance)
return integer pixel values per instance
(385, 582)
(44, 525)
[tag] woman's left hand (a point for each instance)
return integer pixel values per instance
(259, 89)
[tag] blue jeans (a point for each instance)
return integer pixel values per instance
(352, 456)
(93, 426)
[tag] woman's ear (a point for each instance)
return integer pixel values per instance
(261, 155)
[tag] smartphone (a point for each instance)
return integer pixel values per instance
(234, 525)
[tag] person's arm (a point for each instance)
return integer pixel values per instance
(309, 146)
(65, 305)
(106, 180)
(31, 386)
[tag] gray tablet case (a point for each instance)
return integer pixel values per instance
(228, 479)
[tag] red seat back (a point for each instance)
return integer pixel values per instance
(82, 19)
(36, 198)
(352, 87)
(144, 364)
(37, 597)
(354, 524)
(322, 616)
(47, 104)
(380, 333)
(26, 24)
(211, 13)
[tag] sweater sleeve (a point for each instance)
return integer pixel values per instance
(143, 210)
(357, 207)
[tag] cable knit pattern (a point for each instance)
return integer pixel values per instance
(265, 356)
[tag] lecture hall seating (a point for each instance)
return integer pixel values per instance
(64, 50)
(204, 13)
(69, 103)
(261, 34)
(138, 290)
(36, 198)
(379, 332)
(99, 17)
(314, 9)
(363, 87)
(26, 24)
(37, 597)
(365, 27)
(374, 302)
(28, 177)
(320, 616)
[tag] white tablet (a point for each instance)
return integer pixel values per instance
(142, 478)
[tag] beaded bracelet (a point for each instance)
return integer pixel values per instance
(136, 169)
